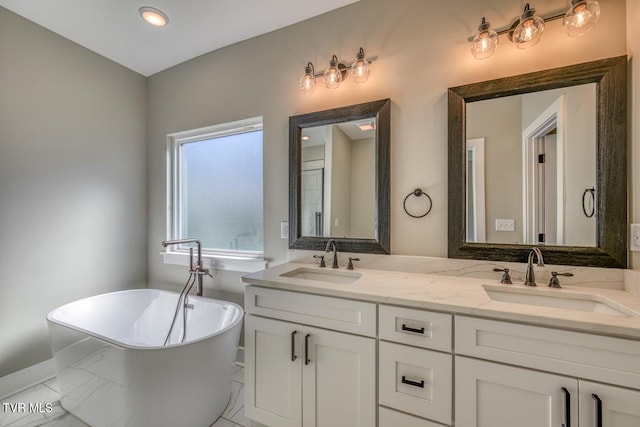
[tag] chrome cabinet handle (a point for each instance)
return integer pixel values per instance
(567, 408)
(598, 410)
(293, 346)
(413, 383)
(306, 349)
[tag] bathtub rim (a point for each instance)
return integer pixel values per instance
(135, 347)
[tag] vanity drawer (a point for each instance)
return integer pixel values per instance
(416, 381)
(583, 355)
(390, 418)
(350, 316)
(420, 328)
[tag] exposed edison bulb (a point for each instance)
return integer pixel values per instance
(485, 42)
(360, 68)
(308, 80)
(333, 75)
(581, 17)
(529, 30)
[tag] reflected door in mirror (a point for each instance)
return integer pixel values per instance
(540, 156)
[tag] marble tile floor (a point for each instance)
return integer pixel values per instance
(56, 416)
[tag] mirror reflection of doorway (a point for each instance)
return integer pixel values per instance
(312, 199)
(546, 200)
(543, 183)
(476, 231)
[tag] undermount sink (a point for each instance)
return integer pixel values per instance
(331, 276)
(554, 299)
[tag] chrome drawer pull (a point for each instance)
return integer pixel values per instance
(417, 331)
(413, 383)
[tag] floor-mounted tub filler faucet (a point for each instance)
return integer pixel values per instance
(196, 268)
(331, 243)
(529, 277)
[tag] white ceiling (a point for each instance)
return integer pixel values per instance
(114, 29)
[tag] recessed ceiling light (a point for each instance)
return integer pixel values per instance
(366, 125)
(305, 137)
(153, 16)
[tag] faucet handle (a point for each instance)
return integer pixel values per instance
(350, 263)
(506, 278)
(554, 282)
(321, 258)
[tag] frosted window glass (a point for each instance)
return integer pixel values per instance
(221, 192)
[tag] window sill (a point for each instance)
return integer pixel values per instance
(218, 262)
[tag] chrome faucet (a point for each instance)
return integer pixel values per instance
(529, 277)
(330, 243)
(194, 268)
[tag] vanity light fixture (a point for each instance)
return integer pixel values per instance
(360, 68)
(485, 42)
(336, 73)
(308, 80)
(529, 30)
(526, 31)
(333, 74)
(581, 17)
(153, 16)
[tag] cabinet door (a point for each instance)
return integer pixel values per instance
(339, 379)
(494, 395)
(273, 374)
(603, 405)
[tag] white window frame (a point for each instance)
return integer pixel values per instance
(245, 261)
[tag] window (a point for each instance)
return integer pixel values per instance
(215, 189)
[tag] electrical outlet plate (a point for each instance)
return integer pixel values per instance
(505, 225)
(635, 238)
(284, 229)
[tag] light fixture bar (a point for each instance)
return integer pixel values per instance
(344, 68)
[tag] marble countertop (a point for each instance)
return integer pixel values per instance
(462, 295)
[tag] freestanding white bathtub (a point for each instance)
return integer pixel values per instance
(113, 369)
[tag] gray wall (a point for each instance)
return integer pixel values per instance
(340, 183)
(363, 188)
(72, 182)
(421, 50)
(499, 122)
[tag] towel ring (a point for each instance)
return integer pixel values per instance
(417, 192)
(591, 191)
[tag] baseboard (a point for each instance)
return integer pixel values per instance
(25, 378)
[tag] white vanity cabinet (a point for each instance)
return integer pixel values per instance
(300, 374)
(494, 394)
(414, 367)
(321, 361)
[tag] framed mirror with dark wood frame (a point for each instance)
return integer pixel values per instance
(339, 182)
(607, 247)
